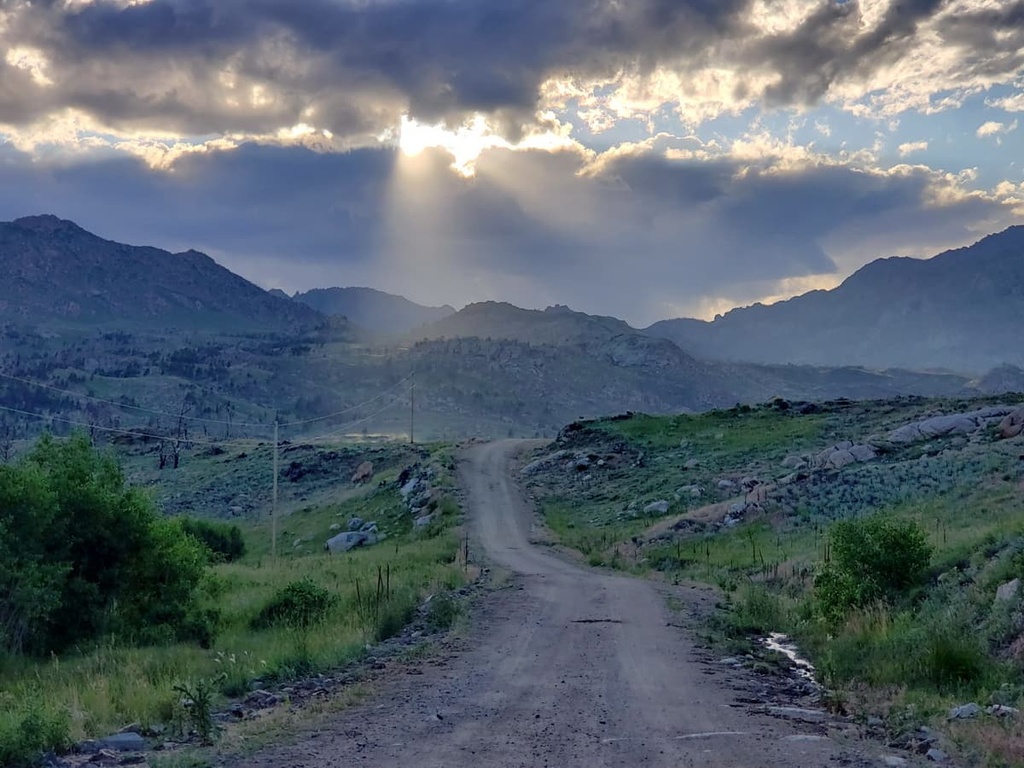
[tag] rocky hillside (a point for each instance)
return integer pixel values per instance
(960, 311)
(372, 309)
(54, 273)
(600, 365)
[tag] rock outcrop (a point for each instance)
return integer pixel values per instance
(951, 424)
(1012, 424)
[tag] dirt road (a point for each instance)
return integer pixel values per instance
(567, 667)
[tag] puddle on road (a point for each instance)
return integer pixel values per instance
(776, 641)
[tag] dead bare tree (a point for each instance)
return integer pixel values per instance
(8, 433)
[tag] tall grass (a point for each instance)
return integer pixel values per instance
(49, 703)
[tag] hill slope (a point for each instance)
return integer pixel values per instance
(54, 272)
(961, 310)
(372, 309)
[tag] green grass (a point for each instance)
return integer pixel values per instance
(731, 435)
(96, 691)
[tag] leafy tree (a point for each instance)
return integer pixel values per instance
(874, 558)
(83, 556)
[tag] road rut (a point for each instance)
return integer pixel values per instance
(568, 667)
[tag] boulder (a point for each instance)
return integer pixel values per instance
(794, 462)
(1012, 424)
(343, 542)
(863, 452)
(1001, 710)
(965, 712)
(363, 473)
(355, 523)
(123, 742)
(423, 522)
(657, 508)
(1008, 591)
(759, 495)
(411, 487)
(335, 526)
(368, 528)
(937, 426)
(838, 459)
(543, 463)
(726, 485)
(956, 423)
(692, 464)
(908, 433)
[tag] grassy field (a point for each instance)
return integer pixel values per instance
(96, 691)
(946, 642)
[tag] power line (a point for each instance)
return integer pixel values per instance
(169, 414)
(386, 392)
(250, 442)
(345, 428)
(132, 433)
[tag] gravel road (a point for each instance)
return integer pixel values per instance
(565, 666)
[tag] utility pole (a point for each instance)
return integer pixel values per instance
(273, 509)
(412, 411)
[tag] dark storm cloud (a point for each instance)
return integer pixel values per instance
(828, 46)
(641, 235)
(357, 66)
(162, 60)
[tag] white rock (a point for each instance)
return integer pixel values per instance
(1008, 591)
(965, 712)
(657, 508)
(1001, 710)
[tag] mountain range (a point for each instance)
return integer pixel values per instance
(76, 308)
(56, 273)
(961, 311)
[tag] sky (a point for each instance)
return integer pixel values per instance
(639, 158)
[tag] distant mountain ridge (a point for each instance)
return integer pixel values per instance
(371, 309)
(962, 310)
(54, 272)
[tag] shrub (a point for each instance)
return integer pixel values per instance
(952, 657)
(875, 558)
(392, 617)
(25, 734)
(197, 702)
(224, 541)
(758, 611)
(82, 555)
(299, 605)
(443, 612)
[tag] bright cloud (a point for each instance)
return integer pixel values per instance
(910, 147)
(994, 128)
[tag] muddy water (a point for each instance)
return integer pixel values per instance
(781, 643)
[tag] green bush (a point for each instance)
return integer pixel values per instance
(83, 556)
(300, 605)
(392, 617)
(224, 541)
(872, 559)
(27, 733)
(951, 657)
(758, 611)
(443, 612)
